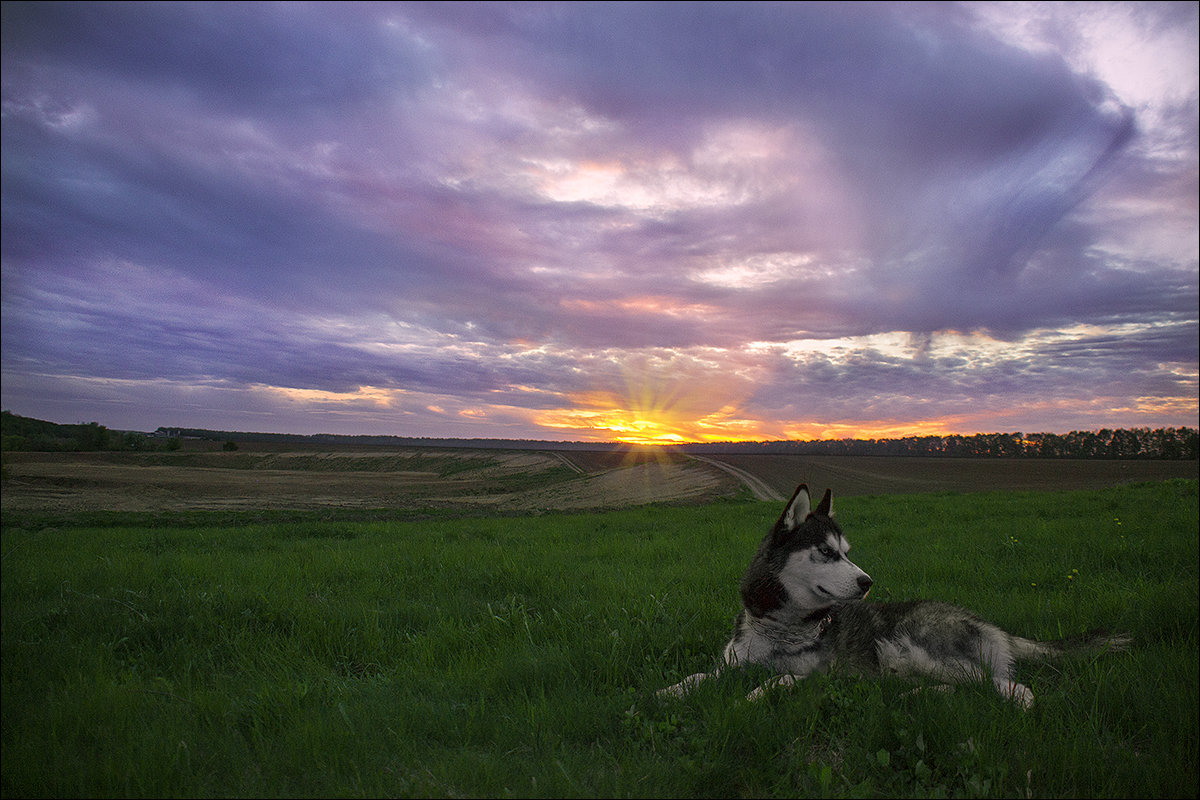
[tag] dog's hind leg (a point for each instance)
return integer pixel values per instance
(998, 657)
(1019, 693)
(1008, 689)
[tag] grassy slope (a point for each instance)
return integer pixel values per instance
(519, 655)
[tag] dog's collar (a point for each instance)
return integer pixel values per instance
(823, 617)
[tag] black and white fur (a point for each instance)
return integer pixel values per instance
(803, 611)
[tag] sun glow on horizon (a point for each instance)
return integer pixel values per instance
(662, 404)
(613, 424)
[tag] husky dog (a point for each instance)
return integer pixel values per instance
(802, 611)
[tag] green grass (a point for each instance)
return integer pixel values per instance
(520, 655)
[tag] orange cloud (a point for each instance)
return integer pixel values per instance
(877, 429)
(645, 304)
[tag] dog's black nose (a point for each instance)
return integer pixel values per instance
(864, 583)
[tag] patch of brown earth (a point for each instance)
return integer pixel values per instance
(506, 481)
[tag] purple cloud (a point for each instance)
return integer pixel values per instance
(509, 209)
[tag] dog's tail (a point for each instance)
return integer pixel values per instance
(1091, 642)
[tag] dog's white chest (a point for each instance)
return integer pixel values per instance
(798, 656)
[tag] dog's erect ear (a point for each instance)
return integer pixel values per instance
(797, 510)
(825, 507)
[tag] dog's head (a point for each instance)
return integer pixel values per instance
(803, 561)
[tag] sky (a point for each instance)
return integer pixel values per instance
(602, 221)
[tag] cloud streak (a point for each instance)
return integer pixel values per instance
(552, 221)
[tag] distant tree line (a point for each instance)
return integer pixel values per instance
(1143, 443)
(1161, 443)
(26, 433)
(386, 441)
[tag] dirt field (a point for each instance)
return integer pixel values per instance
(511, 481)
(856, 475)
(507, 480)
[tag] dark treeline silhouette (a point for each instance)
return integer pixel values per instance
(24, 433)
(1160, 443)
(365, 440)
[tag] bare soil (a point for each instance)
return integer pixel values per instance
(509, 481)
(861, 475)
(272, 477)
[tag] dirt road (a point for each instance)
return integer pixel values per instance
(759, 489)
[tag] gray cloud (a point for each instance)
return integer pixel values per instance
(460, 199)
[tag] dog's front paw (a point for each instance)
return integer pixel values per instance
(684, 686)
(779, 680)
(945, 688)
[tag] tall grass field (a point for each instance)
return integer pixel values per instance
(235, 654)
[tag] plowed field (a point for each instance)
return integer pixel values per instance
(508, 480)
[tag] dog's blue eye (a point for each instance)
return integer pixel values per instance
(827, 551)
